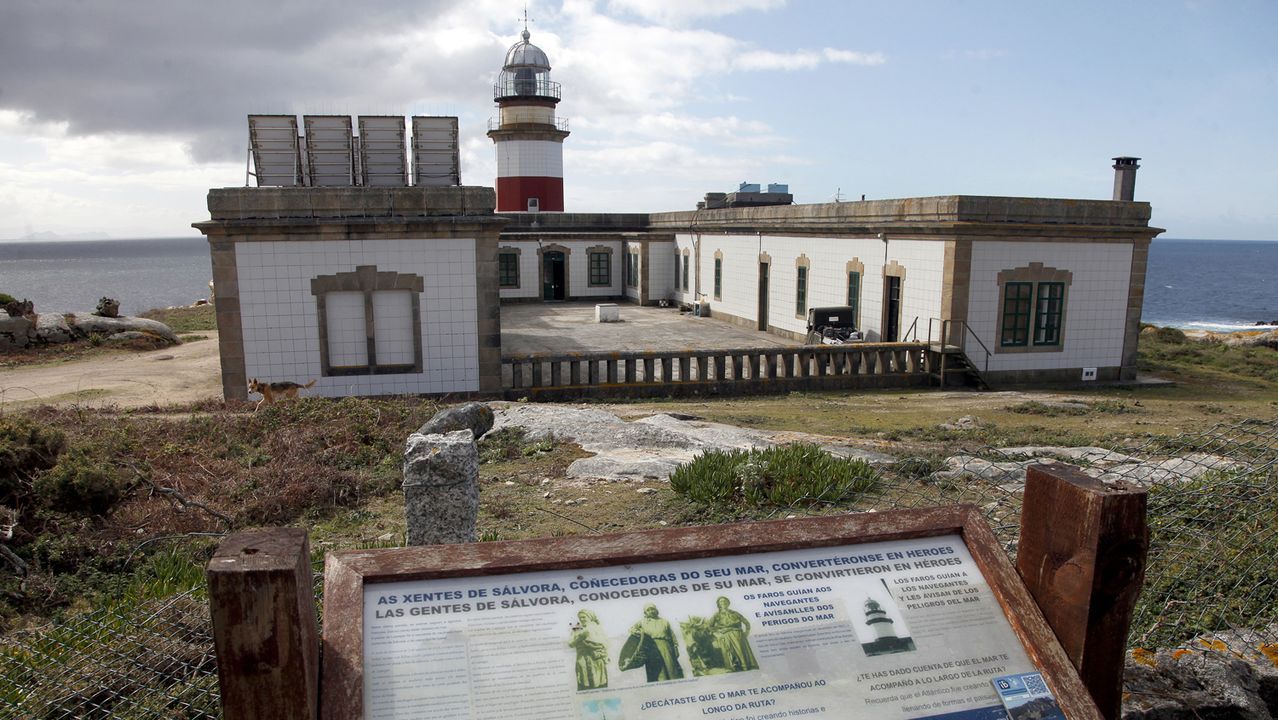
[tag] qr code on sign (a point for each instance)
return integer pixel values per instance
(1034, 684)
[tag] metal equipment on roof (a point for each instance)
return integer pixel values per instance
(331, 155)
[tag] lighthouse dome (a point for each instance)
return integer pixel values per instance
(524, 54)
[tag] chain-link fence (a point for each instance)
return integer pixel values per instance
(1213, 513)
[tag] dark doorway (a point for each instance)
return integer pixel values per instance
(553, 286)
(763, 296)
(892, 301)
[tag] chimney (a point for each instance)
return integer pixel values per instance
(1125, 178)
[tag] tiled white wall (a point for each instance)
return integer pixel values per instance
(827, 277)
(280, 320)
(530, 158)
(1096, 309)
(529, 273)
(578, 269)
(661, 271)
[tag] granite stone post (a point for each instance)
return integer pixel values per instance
(441, 487)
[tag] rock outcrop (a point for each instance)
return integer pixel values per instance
(86, 324)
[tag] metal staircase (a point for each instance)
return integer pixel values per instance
(950, 356)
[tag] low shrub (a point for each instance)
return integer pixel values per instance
(787, 475)
(26, 449)
(81, 484)
(1170, 335)
(6, 298)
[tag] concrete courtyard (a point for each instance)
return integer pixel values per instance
(571, 327)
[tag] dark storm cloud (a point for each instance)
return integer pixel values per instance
(193, 70)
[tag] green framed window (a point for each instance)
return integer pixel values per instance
(507, 270)
(1017, 300)
(685, 272)
(718, 278)
(632, 269)
(600, 268)
(801, 292)
(676, 270)
(854, 294)
(1049, 312)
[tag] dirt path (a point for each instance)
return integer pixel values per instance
(180, 374)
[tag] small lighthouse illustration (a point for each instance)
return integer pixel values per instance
(528, 137)
(883, 626)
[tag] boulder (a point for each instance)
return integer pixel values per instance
(474, 416)
(441, 487)
(52, 328)
(1191, 684)
(86, 324)
(108, 307)
(16, 332)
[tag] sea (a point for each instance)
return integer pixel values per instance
(1219, 285)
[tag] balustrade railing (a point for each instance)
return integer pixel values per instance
(821, 365)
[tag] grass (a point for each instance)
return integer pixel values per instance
(194, 319)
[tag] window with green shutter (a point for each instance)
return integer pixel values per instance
(801, 292)
(718, 278)
(1017, 299)
(1049, 310)
(600, 268)
(854, 295)
(685, 271)
(508, 270)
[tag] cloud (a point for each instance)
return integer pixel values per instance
(805, 59)
(680, 12)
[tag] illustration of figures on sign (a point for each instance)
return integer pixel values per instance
(591, 643)
(651, 646)
(719, 644)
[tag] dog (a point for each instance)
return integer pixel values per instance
(273, 391)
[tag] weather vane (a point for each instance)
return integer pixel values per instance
(526, 18)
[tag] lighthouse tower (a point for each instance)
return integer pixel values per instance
(528, 136)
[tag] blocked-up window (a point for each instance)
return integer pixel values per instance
(369, 322)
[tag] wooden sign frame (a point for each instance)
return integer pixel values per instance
(347, 573)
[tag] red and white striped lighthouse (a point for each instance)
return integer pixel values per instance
(528, 136)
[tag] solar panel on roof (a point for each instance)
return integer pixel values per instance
(273, 143)
(329, 150)
(436, 156)
(383, 162)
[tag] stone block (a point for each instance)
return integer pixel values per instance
(607, 313)
(441, 488)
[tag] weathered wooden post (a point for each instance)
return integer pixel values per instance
(1082, 555)
(264, 626)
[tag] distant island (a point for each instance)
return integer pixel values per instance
(47, 236)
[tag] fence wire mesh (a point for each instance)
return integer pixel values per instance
(1213, 514)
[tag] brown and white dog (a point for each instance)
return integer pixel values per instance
(273, 391)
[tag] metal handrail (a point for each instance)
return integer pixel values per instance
(559, 123)
(514, 87)
(962, 343)
(913, 328)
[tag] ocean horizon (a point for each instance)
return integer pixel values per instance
(1216, 285)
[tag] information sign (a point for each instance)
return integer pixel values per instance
(817, 618)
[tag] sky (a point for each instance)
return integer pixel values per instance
(117, 117)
